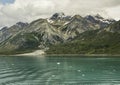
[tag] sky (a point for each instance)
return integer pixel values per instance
(12, 11)
(6, 1)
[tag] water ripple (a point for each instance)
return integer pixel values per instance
(61, 71)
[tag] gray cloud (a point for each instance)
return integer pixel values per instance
(28, 10)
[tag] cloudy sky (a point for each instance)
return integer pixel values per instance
(12, 11)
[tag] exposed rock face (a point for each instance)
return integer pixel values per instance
(21, 24)
(79, 24)
(100, 21)
(48, 33)
(44, 32)
(6, 32)
(115, 27)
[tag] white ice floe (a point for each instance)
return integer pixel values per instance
(58, 63)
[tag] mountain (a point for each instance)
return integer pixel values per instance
(76, 26)
(55, 31)
(6, 32)
(37, 34)
(115, 27)
(100, 41)
(99, 20)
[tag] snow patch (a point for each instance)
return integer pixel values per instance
(50, 21)
(37, 52)
(66, 23)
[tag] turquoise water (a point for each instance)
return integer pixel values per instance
(55, 70)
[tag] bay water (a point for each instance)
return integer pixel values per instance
(59, 70)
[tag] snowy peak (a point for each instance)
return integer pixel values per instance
(4, 29)
(59, 19)
(90, 18)
(57, 16)
(21, 24)
(99, 19)
(98, 16)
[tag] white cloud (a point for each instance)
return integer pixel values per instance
(28, 10)
(114, 12)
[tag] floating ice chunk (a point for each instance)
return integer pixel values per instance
(58, 63)
(83, 75)
(53, 75)
(79, 70)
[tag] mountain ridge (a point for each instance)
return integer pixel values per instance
(44, 33)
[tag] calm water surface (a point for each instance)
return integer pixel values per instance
(55, 70)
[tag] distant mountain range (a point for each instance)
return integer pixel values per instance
(61, 34)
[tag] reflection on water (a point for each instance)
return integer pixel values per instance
(59, 71)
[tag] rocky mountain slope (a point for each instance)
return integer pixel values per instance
(100, 41)
(6, 32)
(44, 33)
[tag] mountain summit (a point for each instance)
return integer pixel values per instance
(58, 16)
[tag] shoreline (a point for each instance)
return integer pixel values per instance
(85, 55)
(42, 52)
